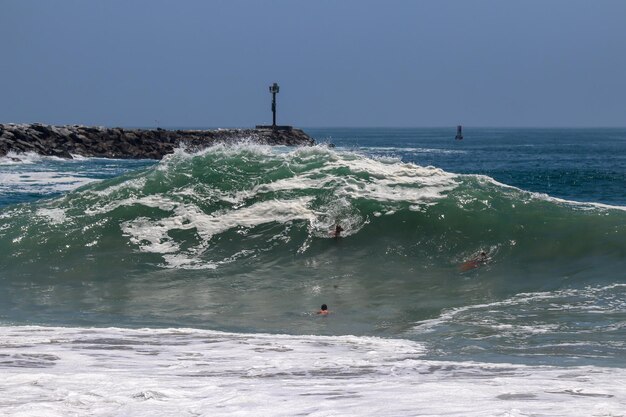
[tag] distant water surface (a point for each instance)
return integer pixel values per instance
(578, 164)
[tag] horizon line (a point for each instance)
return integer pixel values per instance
(213, 127)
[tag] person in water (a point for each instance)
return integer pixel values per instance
(475, 262)
(337, 232)
(323, 310)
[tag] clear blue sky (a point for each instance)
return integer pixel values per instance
(338, 62)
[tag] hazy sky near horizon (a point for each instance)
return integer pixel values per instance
(198, 63)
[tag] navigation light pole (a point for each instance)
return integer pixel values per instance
(274, 89)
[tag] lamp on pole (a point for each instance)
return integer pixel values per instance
(274, 88)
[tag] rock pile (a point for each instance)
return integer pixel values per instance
(65, 141)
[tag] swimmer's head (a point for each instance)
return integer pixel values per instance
(324, 307)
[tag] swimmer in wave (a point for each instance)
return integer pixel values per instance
(323, 310)
(474, 263)
(337, 232)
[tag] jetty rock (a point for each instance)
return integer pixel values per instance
(105, 142)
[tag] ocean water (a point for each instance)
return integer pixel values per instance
(189, 286)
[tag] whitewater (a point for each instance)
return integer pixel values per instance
(189, 286)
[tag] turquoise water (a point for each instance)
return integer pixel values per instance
(575, 164)
(238, 239)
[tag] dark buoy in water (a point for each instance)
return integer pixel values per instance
(459, 132)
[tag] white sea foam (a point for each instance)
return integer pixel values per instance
(579, 205)
(30, 173)
(153, 235)
(41, 181)
(54, 215)
(14, 158)
(136, 183)
(26, 158)
(385, 180)
(414, 150)
(479, 314)
(163, 372)
(26, 176)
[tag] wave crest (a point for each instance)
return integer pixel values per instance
(204, 209)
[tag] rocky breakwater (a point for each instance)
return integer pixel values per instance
(65, 141)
